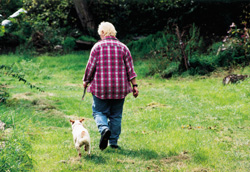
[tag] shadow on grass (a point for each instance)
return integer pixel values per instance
(97, 159)
(142, 153)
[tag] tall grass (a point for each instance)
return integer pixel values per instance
(182, 124)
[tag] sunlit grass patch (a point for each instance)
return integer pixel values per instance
(181, 124)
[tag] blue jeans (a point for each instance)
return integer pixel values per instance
(108, 114)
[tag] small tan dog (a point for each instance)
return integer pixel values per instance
(81, 136)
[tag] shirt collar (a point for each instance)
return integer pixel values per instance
(110, 37)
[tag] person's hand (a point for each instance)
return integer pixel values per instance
(85, 84)
(135, 92)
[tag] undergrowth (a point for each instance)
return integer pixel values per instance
(165, 52)
(16, 154)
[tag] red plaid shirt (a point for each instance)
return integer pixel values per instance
(109, 69)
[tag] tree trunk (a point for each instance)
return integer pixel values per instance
(184, 60)
(84, 15)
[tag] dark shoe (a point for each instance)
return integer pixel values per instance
(115, 147)
(104, 139)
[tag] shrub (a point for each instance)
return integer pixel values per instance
(236, 46)
(172, 68)
(87, 38)
(165, 52)
(69, 43)
(202, 64)
(15, 34)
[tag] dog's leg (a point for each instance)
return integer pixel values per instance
(78, 148)
(87, 148)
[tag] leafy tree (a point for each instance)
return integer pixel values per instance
(8, 7)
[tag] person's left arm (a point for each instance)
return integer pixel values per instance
(131, 72)
(129, 65)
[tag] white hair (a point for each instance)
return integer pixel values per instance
(107, 28)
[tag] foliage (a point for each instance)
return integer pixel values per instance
(194, 42)
(9, 71)
(203, 64)
(3, 93)
(8, 7)
(2, 30)
(53, 12)
(129, 17)
(16, 33)
(236, 46)
(69, 43)
(163, 48)
(50, 18)
(87, 38)
(15, 155)
(57, 19)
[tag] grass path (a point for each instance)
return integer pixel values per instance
(184, 124)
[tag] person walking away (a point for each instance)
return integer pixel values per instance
(108, 75)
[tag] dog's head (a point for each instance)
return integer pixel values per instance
(76, 122)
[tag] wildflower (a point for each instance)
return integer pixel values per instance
(225, 39)
(233, 25)
(229, 30)
(223, 47)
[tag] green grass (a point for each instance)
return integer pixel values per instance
(182, 124)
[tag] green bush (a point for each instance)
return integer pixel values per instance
(172, 68)
(164, 50)
(87, 38)
(236, 46)
(150, 44)
(202, 64)
(69, 43)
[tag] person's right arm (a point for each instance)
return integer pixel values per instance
(90, 68)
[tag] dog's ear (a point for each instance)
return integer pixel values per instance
(81, 120)
(72, 121)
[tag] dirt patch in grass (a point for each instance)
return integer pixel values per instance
(200, 170)
(174, 159)
(154, 105)
(42, 104)
(31, 96)
(171, 162)
(128, 161)
(24, 96)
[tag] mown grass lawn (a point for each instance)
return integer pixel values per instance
(182, 124)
